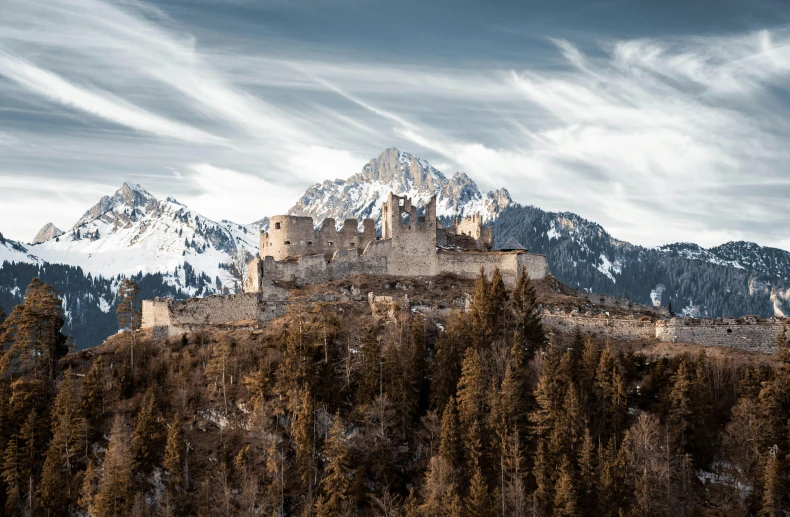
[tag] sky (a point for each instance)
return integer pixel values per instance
(662, 121)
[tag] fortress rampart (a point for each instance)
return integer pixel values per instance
(747, 333)
(294, 251)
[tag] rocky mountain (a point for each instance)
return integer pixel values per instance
(734, 279)
(47, 232)
(361, 195)
(132, 232)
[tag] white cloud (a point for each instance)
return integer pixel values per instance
(99, 104)
(657, 140)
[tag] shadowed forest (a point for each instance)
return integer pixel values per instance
(332, 411)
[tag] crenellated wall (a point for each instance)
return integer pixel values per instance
(291, 236)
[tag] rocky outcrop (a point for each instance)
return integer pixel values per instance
(49, 231)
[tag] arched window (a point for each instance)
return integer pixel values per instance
(352, 244)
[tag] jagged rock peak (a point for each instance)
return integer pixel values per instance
(394, 165)
(47, 232)
(130, 194)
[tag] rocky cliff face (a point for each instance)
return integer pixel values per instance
(47, 232)
(361, 195)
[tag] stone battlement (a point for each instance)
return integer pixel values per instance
(411, 244)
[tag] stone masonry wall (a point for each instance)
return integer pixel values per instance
(601, 326)
(170, 318)
(746, 333)
(293, 236)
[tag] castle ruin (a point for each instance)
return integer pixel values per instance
(412, 243)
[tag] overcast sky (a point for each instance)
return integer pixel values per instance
(663, 121)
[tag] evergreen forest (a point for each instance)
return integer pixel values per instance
(334, 411)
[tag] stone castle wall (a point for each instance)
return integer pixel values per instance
(601, 326)
(747, 333)
(292, 236)
(168, 317)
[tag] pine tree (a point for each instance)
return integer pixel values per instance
(478, 502)
(175, 453)
(565, 497)
(129, 315)
(772, 486)
(33, 331)
(783, 347)
(471, 390)
(587, 467)
(529, 335)
(302, 435)
(681, 409)
(146, 435)
(450, 445)
(114, 496)
(335, 486)
(92, 403)
(57, 491)
(440, 496)
(90, 485)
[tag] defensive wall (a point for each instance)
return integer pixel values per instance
(748, 333)
(168, 317)
(292, 236)
(295, 252)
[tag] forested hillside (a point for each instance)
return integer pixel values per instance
(732, 280)
(334, 411)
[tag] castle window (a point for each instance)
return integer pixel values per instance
(288, 242)
(276, 226)
(309, 243)
(352, 244)
(729, 331)
(330, 243)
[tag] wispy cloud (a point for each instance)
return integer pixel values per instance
(662, 139)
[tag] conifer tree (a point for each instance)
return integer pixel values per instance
(587, 466)
(772, 486)
(114, 495)
(529, 334)
(90, 485)
(33, 334)
(175, 453)
(440, 496)
(302, 434)
(470, 407)
(146, 435)
(680, 411)
(783, 347)
(450, 445)
(57, 491)
(92, 403)
(482, 326)
(478, 502)
(565, 497)
(129, 315)
(15, 475)
(542, 496)
(335, 485)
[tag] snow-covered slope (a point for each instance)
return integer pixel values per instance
(132, 232)
(12, 251)
(361, 195)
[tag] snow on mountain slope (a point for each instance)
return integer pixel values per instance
(12, 251)
(361, 195)
(132, 232)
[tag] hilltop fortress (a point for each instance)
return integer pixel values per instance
(412, 243)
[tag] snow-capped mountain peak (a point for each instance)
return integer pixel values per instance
(47, 232)
(361, 195)
(131, 232)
